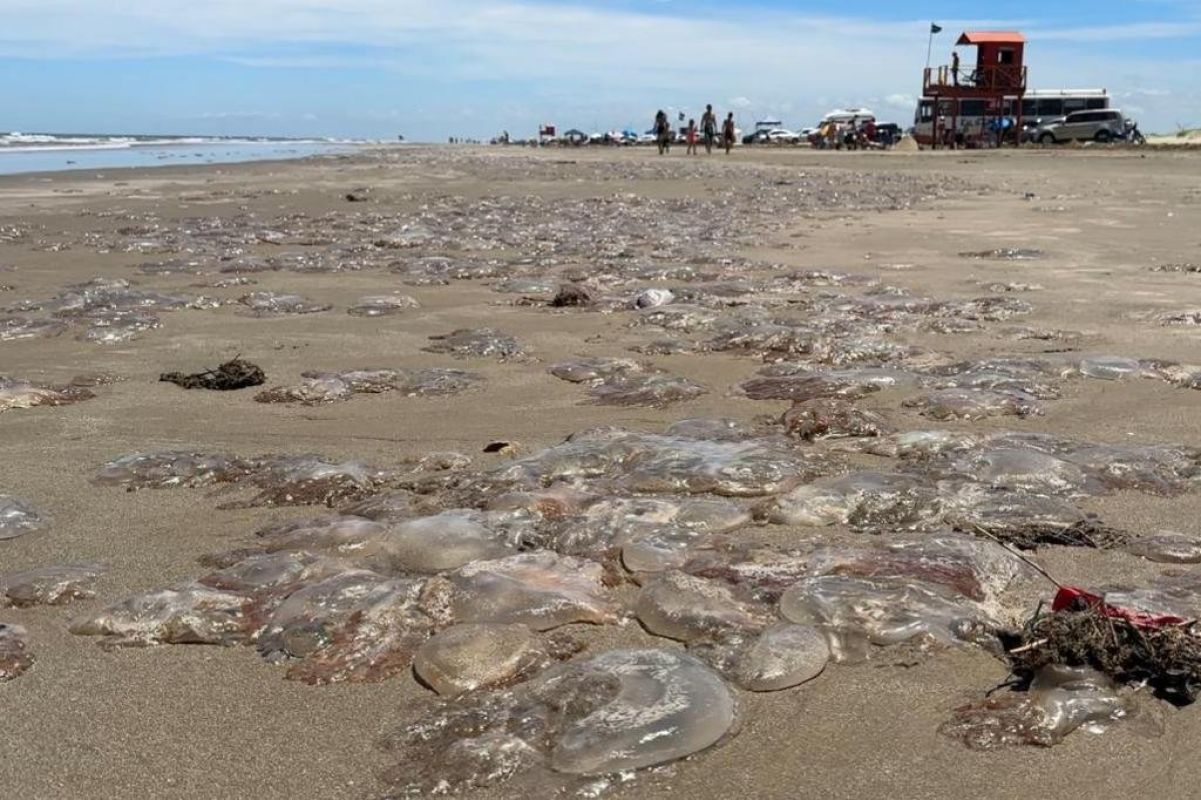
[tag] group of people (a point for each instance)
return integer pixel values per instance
(854, 134)
(707, 132)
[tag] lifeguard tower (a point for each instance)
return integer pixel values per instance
(990, 90)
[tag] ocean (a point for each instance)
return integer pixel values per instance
(53, 152)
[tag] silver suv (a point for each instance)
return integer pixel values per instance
(1098, 126)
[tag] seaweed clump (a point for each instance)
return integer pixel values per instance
(1166, 657)
(233, 374)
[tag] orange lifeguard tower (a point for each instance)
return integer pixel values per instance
(998, 80)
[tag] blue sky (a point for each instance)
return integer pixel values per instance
(433, 68)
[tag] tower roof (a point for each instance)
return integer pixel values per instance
(991, 37)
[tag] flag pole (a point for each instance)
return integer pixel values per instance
(930, 47)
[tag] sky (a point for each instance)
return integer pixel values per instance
(429, 69)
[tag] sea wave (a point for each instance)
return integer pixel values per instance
(15, 142)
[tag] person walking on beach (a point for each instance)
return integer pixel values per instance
(709, 128)
(727, 132)
(691, 136)
(662, 132)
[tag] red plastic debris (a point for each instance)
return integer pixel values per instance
(1071, 598)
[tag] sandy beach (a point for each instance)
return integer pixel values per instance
(192, 722)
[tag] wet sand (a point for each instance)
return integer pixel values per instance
(208, 722)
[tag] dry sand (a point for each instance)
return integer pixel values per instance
(205, 722)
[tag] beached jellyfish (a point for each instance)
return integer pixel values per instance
(1159, 469)
(857, 613)
(871, 500)
(192, 614)
(1109, 368)
(677, 317)
(527, 286)
(1060, 699)
(18, 517)
(832, 418)
(1005, 254)
(481, 342)
(12, 328)
(1022, 470)
(653, 298)
(311, 480)
(688, 608)
(49, 586)
(115, 326)
(313, 391)
(368, 637)
(15, 656)
(918, 445)
(540, 589)
(974, 404)
(262, 304)
(382, 305)
(612, 712)
(18, 393)
(1167, 547)
(173, 468)
(1028, 521)
(802, 387)
(781, 656)
(650, 390)
(594, 370)
(464, 658)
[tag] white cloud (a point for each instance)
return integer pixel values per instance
(906, 101)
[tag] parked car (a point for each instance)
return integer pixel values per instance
(783, 136)
(758, 137)
(1098, 126)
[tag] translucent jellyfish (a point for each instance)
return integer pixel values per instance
(263, 304)
(540, 589)
(862, 500)
(12, 328)
(49, 586)
(192, 614)
(963, 566)
(1005, 254)
(387, 507)
(857, 613)
(482, 342)
(1167, 547)
(666, 464)
(1029, 376)
(920, 444)
(18, 393)
(660, 549)
(653, 298)
(350, 635)
(1060, 700)
(799, 388)
(311, 480)
(526, 286)
(831, 418)
(1029, 520)
(326, 387)
(677, 317)
(15, 656)
(381, 305)
(425, 544)
(594, 370)
(1165, 469)
(313, 391)
(172, 468)
(648, 390)
(117, 326)
(689, 608)
(116, 294)
(1109, 368)
(617, 711)
(273, 574)
(18, 517)
(464, 658)
(781, 656)
(974, 404)
(1021, 470)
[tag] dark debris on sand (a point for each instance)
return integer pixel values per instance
(233, 374)
(1167, 658)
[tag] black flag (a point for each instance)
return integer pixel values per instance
(935, 28)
